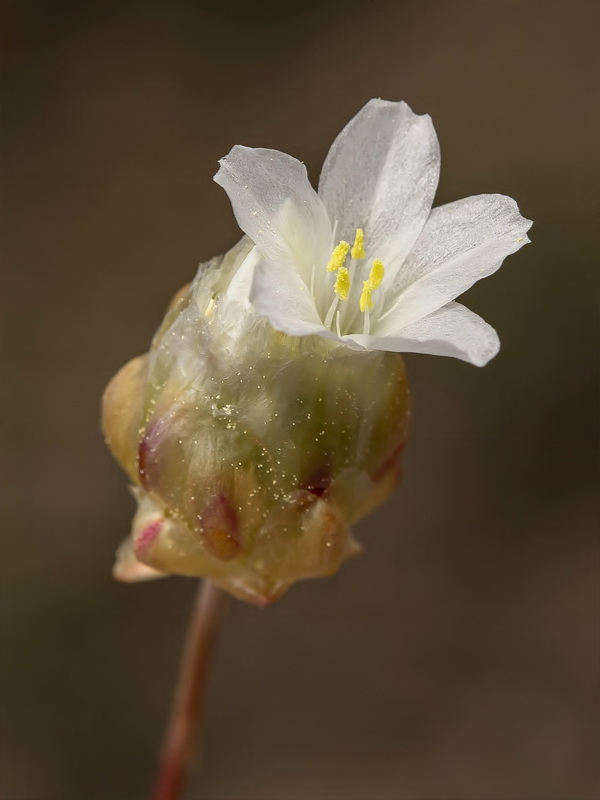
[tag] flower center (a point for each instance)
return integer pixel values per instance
(343, 280)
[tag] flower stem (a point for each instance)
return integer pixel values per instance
(188, 701)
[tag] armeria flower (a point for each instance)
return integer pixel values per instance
(367, 262)
(269, 414)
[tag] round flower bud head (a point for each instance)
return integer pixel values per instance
(251, 452)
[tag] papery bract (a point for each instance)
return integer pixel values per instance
(251, 452)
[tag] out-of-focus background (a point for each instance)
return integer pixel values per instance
(457, 659)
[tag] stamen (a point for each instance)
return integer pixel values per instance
(358, 248)
(373, 282)
(342, 283)
(338, 256)
(342, 290)
(365, 301)
(337, 323)
(377, 273)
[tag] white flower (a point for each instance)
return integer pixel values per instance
(366, 262)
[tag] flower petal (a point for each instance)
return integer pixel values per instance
(381, 174)
(461, 243)
(450, 331)
(277, 207)
(279, 294)
(238, 290)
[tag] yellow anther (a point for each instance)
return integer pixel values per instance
(358, 248)
(373, 282)
(365, 296)
(377, 273)
(342, 283)
(338, 256)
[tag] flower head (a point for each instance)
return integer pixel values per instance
(270, 411)
(366, 262)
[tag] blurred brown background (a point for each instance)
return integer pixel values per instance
(457, 659)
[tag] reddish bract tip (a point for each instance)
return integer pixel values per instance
(219, 528)
(147, 535)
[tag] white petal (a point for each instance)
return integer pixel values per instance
(234, 307)
(238, 290)
(277, 207)
(450, 331)
(280, 294)
(381, 174)
(461, 243)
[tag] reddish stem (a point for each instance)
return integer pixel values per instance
(188, 701)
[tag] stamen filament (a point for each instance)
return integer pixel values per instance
(331, 312)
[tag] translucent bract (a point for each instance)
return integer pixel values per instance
(251, 452)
